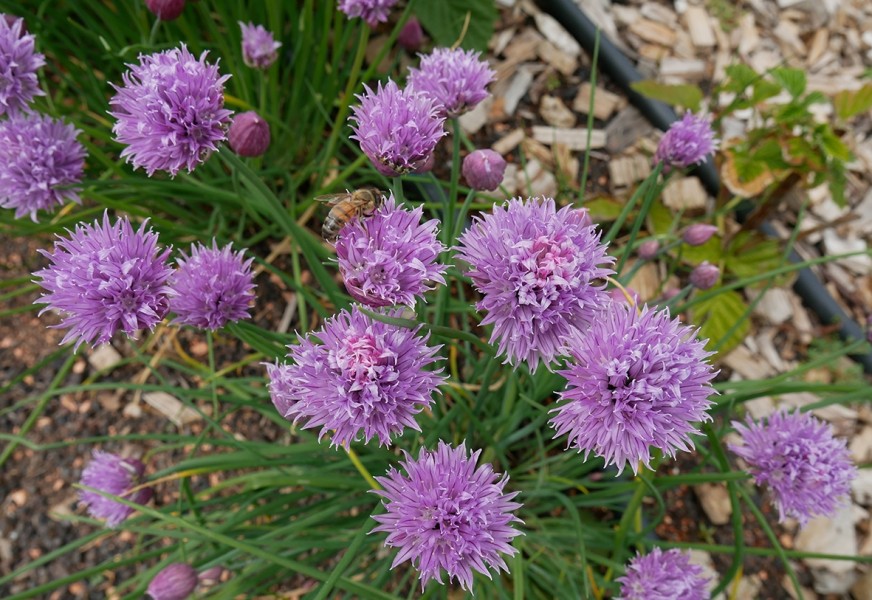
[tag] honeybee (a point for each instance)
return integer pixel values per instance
(346, 206)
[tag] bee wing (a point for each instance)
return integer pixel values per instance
(332, 199)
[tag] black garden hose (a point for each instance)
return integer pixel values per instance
(622, 72)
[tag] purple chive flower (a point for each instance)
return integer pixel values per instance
(366, 376)
(411, 35)
(212, 287)
(638, 379)
(662, 575)
(647, 250)
(40, 162)
(105, 278)
(18, 64)
(390, 257)
(698, 234)
(174, 582)
(537, 270)
(688, 141)
(371, 11)
(170, 111)
(446, 514)
(397, 129)
(249, 134)
(259, 47)
(483, 169)
(807, 469)
(705, 275)
(166, 10)
(114, 475)
(456, 79)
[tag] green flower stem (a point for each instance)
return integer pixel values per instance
(342, 113)
(448, 219)
(632, 516)
(736, 515)
(590, 112)
(651, 192)
(40, 407)
(397, 188)
(361, 468)
(643, 189)
(461, 215)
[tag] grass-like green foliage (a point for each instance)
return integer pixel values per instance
(298, 513)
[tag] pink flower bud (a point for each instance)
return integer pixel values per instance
(166, 10)
(411, 35)
(705, 276)
(648, 250)
(670, 293)
(211, 576)
(175, 582)
(484, 169)
(698, 234)
(249, 134)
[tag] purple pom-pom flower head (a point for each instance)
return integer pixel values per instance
(688, 141)
(212, 287)
(807, 469)
(18, 65)
(114, 475)
(456, 79)
(105, 278)
(662, 575)
(259, 47)
(371, 11)
(176, 581)
(537, 270)
(397, 129)
(390, 257)
(638, 379)
(170, 111)
(446, 514)
(40, 162)
(365, 377)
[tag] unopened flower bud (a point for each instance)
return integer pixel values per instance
(211, 576)
(648, 250)
(411, 35)
(698, 234)
(249, 134)
(166, 10)
(670, 293)
(175, 582)
(705, 276)
(484, 169)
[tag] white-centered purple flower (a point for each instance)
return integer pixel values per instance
(661, 575)
(259, 47)
(397, 129)
(390, 257)
(457, 79)
(170, 111)
(105, 278)
(688, 141)
(371, 11)
(539, 271)
(444, 514)
(212, 287)
(111, 474)
(41, 161)
(176, 581)
(365, 377)
(807, 470)
(637, 380)
(19, 62)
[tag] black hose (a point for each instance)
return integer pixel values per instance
(622, 72)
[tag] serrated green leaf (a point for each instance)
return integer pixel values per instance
(603, 209)
(684, 94)
(834, 146)
(763, 90)
(793, 80)
(853, 102)
(770, 154)
(750, 254)
(739, 77)
(718, 315)
(659, 219)
(445, 20)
